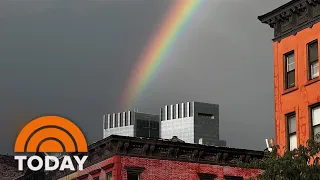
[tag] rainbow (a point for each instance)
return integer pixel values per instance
(158, 48)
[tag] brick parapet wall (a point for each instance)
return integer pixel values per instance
(176, 170)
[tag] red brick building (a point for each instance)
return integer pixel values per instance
(132, 158)
(296, 71)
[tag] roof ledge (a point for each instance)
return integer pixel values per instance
(292, 17)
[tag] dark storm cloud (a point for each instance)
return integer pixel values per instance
(226, 58)
(73, 58)
(69, 58)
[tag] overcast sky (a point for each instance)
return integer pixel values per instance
(72, 58)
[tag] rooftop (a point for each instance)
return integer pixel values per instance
(166, 149)
(292, 17)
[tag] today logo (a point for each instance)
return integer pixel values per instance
(50, 134)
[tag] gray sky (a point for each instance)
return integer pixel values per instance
(72, 58)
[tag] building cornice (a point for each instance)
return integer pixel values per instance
(292, 17)
(161, 149)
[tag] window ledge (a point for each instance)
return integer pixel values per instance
(290, 90)
(312, 81)
(135, 170)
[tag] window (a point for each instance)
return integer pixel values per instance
(95, 174)
(109, 176)
(289, 70)
(146, 128)
(233, 178)
(154, 129)
(107, 170)
(133, 177)
(204, 115)
(142, 128)
(134, 173)
(204, 176)
(292, 135)
(313, 62)
(315, 119)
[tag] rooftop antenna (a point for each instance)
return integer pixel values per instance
(46, 154)
(269, 146)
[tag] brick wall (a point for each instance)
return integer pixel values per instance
(90, 172)
(158, 170)
(299, 98)
(176, 170)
